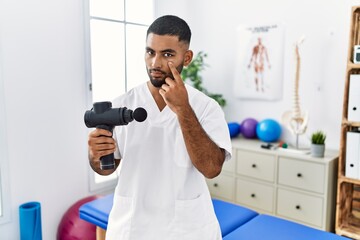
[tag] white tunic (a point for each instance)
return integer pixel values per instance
(160, 194)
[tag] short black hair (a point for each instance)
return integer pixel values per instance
(171, 25)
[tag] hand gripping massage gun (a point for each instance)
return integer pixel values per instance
(103, 116)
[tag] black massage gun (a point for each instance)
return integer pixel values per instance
(103, 116)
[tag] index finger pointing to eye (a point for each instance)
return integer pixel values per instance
(174, 72)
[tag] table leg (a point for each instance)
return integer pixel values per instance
(100, 233)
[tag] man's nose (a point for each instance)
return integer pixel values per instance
(156, 62)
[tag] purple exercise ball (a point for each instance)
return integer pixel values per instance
(248, 127)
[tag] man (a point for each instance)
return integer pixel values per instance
(161, 191)
(258, 57)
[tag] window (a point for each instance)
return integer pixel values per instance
(115, 33)
(4, 180)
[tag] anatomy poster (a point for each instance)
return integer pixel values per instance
(259, 62)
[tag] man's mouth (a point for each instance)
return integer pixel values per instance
(157, 73)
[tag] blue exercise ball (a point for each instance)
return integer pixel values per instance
(268, 130)
(234, 129)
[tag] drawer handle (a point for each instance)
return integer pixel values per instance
(253, 195)
(253, 166)
(298, 207)
(216, 185)
(299, 175)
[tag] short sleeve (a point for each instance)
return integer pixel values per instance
(214, 123)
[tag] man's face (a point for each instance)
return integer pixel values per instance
(159, 51)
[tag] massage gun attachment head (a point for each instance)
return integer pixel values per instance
(139, 114)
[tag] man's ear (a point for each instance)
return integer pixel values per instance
(188, 57)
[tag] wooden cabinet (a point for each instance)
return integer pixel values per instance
(348, 192)
(293, 186)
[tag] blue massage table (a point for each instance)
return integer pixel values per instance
(274, 228)
(230, 216)
(236, 222)
(97, 211)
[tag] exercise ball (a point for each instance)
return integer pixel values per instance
(71, 227)
(234, 129)
(248, 127)
(268, 130)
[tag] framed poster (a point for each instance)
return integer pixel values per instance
(259, 62)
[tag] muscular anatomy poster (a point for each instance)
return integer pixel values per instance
(259, 62)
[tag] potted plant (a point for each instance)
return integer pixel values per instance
(318, 144)
(192, 73)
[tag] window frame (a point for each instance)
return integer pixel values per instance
(4, 162)
(111, 183)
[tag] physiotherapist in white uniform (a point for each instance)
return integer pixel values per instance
(161, 192)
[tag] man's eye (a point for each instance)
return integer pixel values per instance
(150, 52)
(168, 55)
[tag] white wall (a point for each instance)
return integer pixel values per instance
(325, 23)
(44, 82)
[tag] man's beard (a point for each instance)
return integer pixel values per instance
(158, 82)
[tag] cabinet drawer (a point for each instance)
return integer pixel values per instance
(255, 195)
(304, 175)
(222, 186)
(301, 207)
(256, 165)
(229, 165)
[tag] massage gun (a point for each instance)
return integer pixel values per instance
(103, 116)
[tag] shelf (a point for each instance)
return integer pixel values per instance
(348, 191)
(348, 231)
(351, 124)
(342, 179)
(352, 66)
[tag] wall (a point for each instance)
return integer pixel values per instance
(325, 23)
(44, 82)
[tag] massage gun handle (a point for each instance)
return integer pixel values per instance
(107, 162)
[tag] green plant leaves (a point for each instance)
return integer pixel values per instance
(318, 137)
(192, 73)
